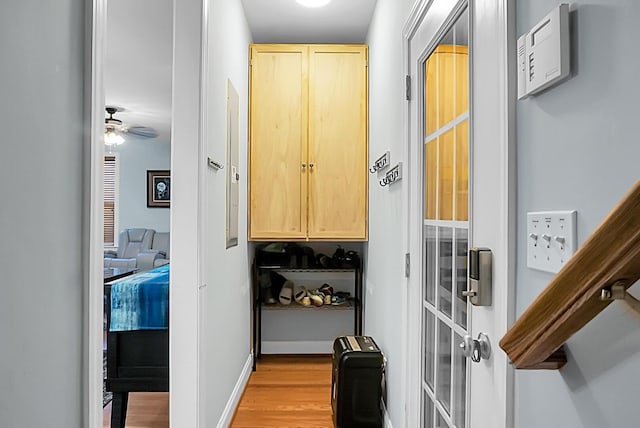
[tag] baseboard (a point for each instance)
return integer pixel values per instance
(385, 416)
(236, 395)
(297, 347)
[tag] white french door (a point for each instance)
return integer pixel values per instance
(460, 196)
(444, 75)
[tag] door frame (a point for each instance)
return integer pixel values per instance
(93, 229)
(489, 23)
(187, 211)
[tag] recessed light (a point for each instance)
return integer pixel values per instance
(313, 3)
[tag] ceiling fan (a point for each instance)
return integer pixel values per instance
(115, 130)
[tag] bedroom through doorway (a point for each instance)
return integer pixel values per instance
(136, 198)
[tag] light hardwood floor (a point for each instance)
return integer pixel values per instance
(145, 410)
(287, 392)
(284, 392)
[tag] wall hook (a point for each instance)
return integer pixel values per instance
(381, 163)
(393, 175)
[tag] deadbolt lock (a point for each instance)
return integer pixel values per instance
(480, 277)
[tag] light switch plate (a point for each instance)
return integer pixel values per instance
(551, 239)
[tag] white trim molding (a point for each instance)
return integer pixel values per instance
(93, 231)
(296, 347)
(385, 417)
(236, 395)
(186, 167)
(493, 119)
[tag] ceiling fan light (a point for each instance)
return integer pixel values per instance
(313, 3)
(112, 139)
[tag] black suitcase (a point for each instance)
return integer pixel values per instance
(356, 382)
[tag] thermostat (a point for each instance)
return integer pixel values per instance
(544, 53)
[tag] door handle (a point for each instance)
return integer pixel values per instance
(476, 349)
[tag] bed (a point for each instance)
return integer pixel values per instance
(137, 311)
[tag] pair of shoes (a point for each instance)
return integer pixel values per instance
(326, 289)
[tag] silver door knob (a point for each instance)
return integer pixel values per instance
(476, 349)
(466, 346)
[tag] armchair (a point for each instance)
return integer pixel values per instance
(160, 244)
(131, 243)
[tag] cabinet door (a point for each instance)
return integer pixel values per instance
(338, 117)
(278, 142)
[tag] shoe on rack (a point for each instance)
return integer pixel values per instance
(326, 289)
(299, 292)
(268, 296)
(338, 300)
(316, 300)
(286, 293)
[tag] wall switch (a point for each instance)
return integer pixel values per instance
(551, 239)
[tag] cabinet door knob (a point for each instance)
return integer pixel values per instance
(311, 165)
(304, 165)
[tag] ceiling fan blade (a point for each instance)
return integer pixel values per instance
(142, 132)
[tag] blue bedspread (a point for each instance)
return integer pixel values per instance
(141, 301)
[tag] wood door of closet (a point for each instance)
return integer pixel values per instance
(278, 142)
(338, 118)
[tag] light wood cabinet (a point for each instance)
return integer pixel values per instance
(308, 142)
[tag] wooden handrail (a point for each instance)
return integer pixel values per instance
(611, 255)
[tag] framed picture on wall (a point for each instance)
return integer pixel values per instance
(158, 188)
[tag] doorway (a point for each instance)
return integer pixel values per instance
(136, 172)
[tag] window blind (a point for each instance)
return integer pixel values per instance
(109, 200)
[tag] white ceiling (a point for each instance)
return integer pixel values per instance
(285, 21)
(139, 47)
(138, 62)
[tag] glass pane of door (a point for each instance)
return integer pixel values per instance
(445, 231)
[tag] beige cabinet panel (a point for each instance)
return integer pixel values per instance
(278, 134)
(338, 142)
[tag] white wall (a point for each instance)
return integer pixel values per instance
(578, 149)
(41, 171)
(225, 327)
(135, 157)
(385, 283)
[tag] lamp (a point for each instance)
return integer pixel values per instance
(313, 3)
(111, 124)
(111, 138)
